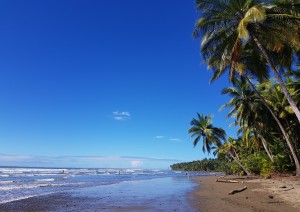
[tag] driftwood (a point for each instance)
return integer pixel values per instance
(227, 181)
(288, 189)
(275, 202)
(237, 190)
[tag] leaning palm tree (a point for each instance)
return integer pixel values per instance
(229, 148)
(255, 136)
(271, 30)
(202, 128)
(246, 108)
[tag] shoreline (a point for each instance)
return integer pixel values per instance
(159, 194)
(264, 195)
(201, 193)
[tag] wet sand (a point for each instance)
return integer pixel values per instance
(164, 194)
(261, 195)
(202, 194)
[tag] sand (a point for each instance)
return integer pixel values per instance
(263, 195)
(155, 195)
(172, 194)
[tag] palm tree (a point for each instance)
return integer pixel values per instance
(229, 148)
(236, 37)
(202, 127)
(244, 104)
(254, 135)
(269, 29)
(246, 108)
(276, 99)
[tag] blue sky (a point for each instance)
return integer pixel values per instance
(102, 83)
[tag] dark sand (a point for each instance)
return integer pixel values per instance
(259, 196)
(170, 194)
(165, 194)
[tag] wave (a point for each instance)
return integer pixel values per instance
(15, 187)
(45, 180)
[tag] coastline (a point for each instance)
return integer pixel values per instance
(159, 194)
(264, 195)
(201, 193)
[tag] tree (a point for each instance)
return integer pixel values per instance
(202, 127)
(229, 148)
(269, 29)
(246, 108)
(243, 36)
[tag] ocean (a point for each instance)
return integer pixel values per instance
(132, 186)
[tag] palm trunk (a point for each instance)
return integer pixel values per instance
(271, 156)
(279, 79)
(273, 115)
(239, 163)
(288, 97)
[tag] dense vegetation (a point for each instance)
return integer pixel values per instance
(258, 43)
(205, 165)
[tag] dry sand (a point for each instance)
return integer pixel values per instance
(263, 195)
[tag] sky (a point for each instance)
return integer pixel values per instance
(88, 83)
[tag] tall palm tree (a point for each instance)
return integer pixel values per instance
(245, 105)
(224, 50)
(202, 128)
(276, 99)
(269, 29)
(246, 108)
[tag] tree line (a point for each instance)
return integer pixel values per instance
(205, 165)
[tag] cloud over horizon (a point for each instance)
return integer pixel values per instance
(85, 161)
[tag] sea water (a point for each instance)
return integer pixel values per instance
(23, 183)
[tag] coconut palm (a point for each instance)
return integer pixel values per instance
(243, 102)
(202, 128)
(255, 136)
(229, 147)
(269, 29)
(223, 50)
(269, 32)
(248, 111)
(276, 99)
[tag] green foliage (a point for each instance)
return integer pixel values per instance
(249, 39)
(282, 163)
(234, 168)
(205, 165)
(259, 163)
(202, 128)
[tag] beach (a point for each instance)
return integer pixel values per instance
(40, 189)
(264, 195)
(161, 194)
(95, 190)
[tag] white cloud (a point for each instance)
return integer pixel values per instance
(168, 138)
(121, 116)
(175, 139)
(136, 163)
